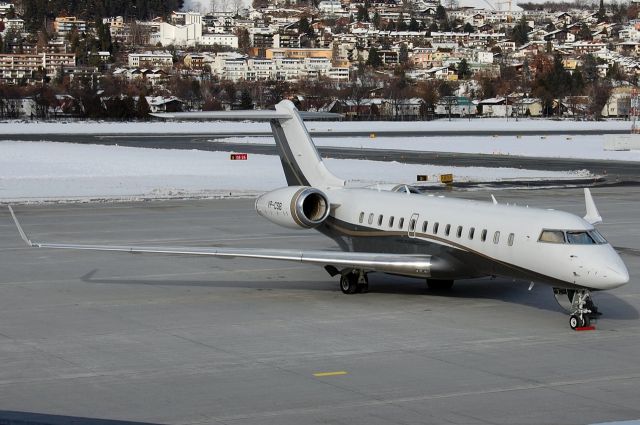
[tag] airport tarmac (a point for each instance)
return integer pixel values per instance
(183, 340)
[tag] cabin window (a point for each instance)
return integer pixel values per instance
(471, 232)
(483, 235)
(459, 232)
(412, 224)
(401, 223)
(496, 237)
(361, 217)
(552, 236)
(447, 229)
(380, 217)
(371, 218)
(435, 228)
(511, 237)
(424, 226)
(391, 221)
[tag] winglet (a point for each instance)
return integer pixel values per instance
(593, 216)
(22, 234)
(494, 200)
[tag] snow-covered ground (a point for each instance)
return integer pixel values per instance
(584, 146)
(161, 127)
(36, 171)
(565, 146)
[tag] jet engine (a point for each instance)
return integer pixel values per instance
(295, 207)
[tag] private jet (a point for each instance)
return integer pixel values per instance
(399, 232)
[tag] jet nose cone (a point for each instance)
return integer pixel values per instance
(616, 274)
(619, 276)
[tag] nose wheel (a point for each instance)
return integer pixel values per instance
(576, 321)
(579, 304)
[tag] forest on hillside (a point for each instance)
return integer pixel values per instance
(34, 12)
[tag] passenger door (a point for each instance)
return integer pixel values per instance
(413, 223)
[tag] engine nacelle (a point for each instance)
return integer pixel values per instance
(296, 207)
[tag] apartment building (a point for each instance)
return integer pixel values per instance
(150, 59)
(198, 61)
(298, 53)
(63, 25)
(118, 29)
(229, 40)
(238, 68)
(18, 67)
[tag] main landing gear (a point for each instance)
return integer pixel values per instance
(439, 285)
(353, 281)
(579, 305)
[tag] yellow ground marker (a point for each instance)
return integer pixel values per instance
(323, 374)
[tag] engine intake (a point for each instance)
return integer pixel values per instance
(294, 207)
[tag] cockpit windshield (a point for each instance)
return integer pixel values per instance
(574, 237)
(552, 236)
(580, 238)
(597, 237)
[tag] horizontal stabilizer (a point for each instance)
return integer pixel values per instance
(253, 115)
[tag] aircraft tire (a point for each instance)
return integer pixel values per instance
(349, 283)
(439, 285)
(574, 321)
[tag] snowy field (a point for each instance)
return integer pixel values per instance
(47, 171)
(583, 146)
(562, 146)
(161, 127)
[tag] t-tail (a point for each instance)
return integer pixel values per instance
(301, 162)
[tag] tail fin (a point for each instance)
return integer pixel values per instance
(300, 159)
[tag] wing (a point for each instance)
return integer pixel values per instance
(332, 260)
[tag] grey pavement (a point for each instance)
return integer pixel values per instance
(182, 340)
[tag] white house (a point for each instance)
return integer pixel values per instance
(164, 104)
(16, 24)
(230, 40)
(187, 34)
(330, 7)
(482, 57)
(150, 59)
(5, 8)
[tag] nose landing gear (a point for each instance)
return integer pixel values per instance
(578, 303)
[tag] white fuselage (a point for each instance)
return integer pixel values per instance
(506, 234)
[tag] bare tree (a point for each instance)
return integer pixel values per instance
(237, 6)
(599, 94)
(428, 92)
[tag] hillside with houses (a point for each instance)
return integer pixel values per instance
(373, 59)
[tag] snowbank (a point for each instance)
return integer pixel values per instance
(579, 147)
(160, 127)
(36, 171)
